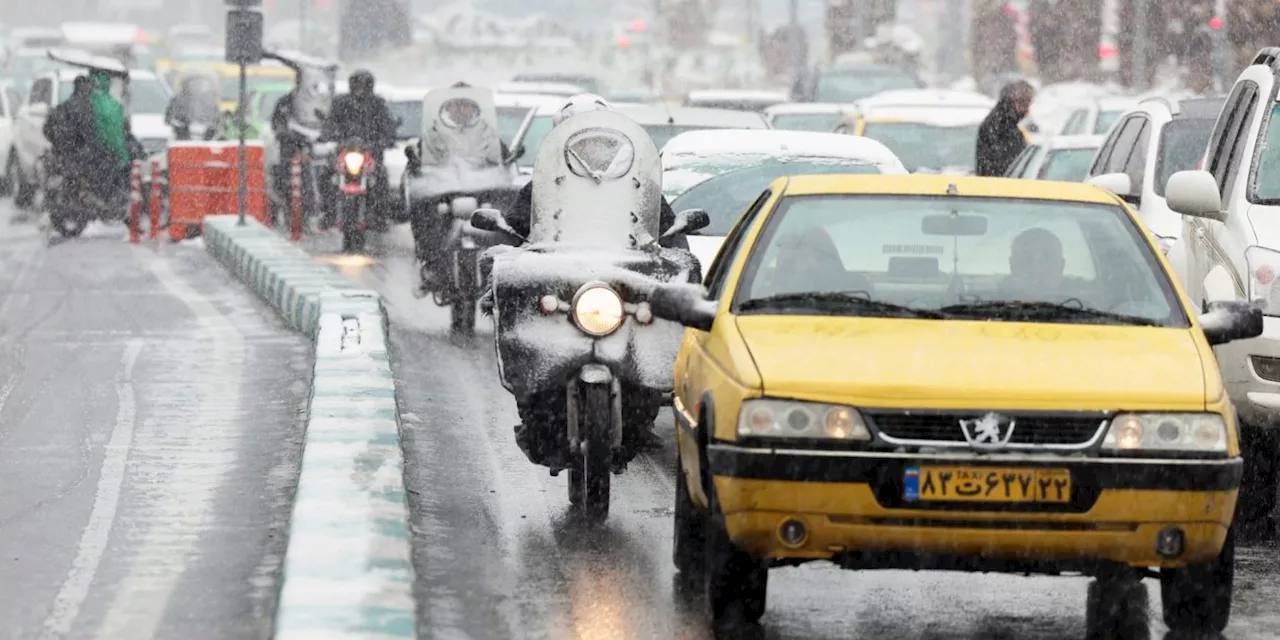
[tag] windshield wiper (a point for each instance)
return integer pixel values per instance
(1043, 311)
(858, 300)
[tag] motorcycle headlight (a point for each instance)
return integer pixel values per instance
(1206, 432)
(1263, 265)
(769, 418)
(354, 162)
(597, 310)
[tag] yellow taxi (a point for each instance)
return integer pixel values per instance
(956, 373)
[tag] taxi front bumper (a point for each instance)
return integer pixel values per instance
(852, 509)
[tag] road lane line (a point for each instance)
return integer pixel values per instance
(190, 448)
(93, 541)
(7, 389)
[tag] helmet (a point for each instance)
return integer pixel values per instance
(581, 103)
(361, 81)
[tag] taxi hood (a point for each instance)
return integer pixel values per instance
(975, 364)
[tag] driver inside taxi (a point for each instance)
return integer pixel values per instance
(1036, 264)
(810, 262)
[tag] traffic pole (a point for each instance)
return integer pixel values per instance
(135, 202)
(295, 197)
(155, 199)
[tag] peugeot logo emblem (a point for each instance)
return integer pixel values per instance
(992, 431)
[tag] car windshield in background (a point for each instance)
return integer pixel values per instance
(957, 258)
(734, 187)
(145, 95)
(927, 146)
(540, 126)
(28, 66)
(509, 121)
(821, 122)
(1182, 144)
(410, 114)
(834, 86)
(1105, 120)
(1067, 165)
(231, 84)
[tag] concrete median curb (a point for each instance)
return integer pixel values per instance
(347, 572)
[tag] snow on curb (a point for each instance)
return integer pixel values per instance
(347, 572)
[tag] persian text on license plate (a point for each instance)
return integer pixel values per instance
(986, 484)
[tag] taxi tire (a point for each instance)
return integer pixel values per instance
(737, 584)
(1117, 607)
(1198, 598)
(689, 544)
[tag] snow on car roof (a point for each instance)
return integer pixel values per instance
(403, 94)
(809, 107)
(544, 88)
(649, 115)
(737, 94)
(932, 98)
(949, 117)
(526, 100)
(1074, 142)
(698, 146)
(97, 34)
(1117, 103)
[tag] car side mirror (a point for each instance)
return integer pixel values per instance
(1195, 194)
(492, 220)
(1118, 183)
(1230, 320)
(688, 221)
(684, 303)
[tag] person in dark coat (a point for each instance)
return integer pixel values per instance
(999, 138)
(71, 131)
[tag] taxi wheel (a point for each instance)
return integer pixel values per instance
(1199, 598)
(688, 546)
(737, 584)
(1117, 608)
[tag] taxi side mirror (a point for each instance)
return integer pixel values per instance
(688, 221)
(686, 304)
(1230, 320)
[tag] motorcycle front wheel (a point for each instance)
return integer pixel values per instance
(462, 312)
(63, 218)
(349, 215)
(589, 483)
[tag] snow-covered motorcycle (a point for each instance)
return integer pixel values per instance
(578, 346)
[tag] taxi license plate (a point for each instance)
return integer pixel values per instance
(986, 484)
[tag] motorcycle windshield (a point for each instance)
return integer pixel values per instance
(461, 148)
(314, 94)
(597, 181)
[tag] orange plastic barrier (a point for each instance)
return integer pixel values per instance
(204, 180)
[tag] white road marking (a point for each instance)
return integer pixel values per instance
(93, 541)
(7, 389)
(191, 437)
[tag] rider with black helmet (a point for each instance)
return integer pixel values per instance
(365, 115)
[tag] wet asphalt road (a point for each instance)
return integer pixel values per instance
(150, 433)
(498, 557)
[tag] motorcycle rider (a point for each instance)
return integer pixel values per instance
(520, 213)
(365, 115)
(196, 103)
(429, 230)
(70, 130)
(111, 129)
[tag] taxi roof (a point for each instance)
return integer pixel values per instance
(938, 185)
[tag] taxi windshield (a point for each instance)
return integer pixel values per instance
(735, 186)
(957, 258)
(822, 122)
(927, 146)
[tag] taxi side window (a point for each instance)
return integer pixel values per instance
(719, 268)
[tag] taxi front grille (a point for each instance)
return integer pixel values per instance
(1029, 431)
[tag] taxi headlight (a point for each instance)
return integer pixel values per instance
(1167, 432)
(597, 310)
(792, 419)
(354, 162)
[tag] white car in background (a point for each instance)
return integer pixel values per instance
(149, 97)
(561, 89)
(723, 172)
(1148, 145)
(930, 130)
(1095, 116)
(1062, 158)
(405, 103)
(513, 108)
(661, 122)
(807, 116)
(735, 99)
(10, 103)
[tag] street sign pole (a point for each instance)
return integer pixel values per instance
(241, 123)
(244, 47)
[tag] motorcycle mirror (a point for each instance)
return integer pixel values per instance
(516, 153)
(686, 304)
(492, 220)
(411, 153)
(688, 221)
